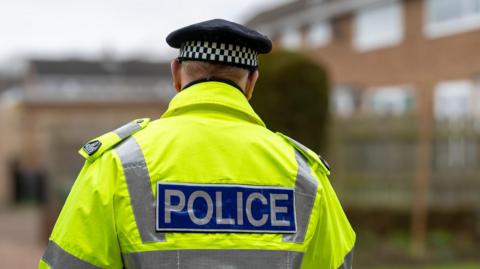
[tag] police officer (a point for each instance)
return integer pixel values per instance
(207, 185)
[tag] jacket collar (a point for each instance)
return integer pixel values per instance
(212, 92)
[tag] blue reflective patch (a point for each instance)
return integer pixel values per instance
(225, 208)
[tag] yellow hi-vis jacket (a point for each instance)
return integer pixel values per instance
(205, 186)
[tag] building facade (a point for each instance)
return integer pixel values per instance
(56, 107)
(388, 56)
(406, 96)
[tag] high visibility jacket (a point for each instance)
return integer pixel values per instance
(208, 137)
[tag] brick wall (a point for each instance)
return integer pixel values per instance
(418, 60)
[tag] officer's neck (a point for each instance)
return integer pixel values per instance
(218, 79)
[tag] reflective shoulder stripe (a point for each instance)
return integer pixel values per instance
(305, 192)
(129, 128)
(309, 154)
(208, 259)
(57, 258)
(347, 261)
(139, 188)
(97, 146)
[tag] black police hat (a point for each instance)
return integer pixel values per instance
(220, 41)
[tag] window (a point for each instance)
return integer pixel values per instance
(291, 38)
(445, 17)
(475, 102)
(453, 100)
(319, 34)
(395, 100)
(345, 100)
(378, 26)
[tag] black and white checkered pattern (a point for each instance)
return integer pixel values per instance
(219, 52)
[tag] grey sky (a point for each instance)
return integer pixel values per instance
(86, 28)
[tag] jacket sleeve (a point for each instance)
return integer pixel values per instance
(84, 235)
(333, 241)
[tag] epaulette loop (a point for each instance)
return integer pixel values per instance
(96, 147)
(311, 156)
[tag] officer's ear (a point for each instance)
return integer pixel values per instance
(176, 66)
(251, 80)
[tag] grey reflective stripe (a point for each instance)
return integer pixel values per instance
(56, 258)
(127, 129)
(298, 144)
(347, 261)
(140, 189)
(213, 259)
(305, 192)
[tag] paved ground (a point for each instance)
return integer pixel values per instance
(20, 246)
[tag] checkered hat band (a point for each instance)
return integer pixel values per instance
(219, 52)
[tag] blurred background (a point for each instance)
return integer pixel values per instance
(401, 83)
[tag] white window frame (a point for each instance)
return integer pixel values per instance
(452, 27)
(291, 38)
(316, 29)
(363, 46)
(343, 100)
(405, 88)
(454, 88)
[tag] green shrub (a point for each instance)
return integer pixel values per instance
(292, 97)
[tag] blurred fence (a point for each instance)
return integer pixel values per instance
(375, 159)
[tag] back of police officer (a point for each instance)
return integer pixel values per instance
(207, 185)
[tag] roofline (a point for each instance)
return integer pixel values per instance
(77, 66)
(276, 12)
(310, 13)
(161, 104)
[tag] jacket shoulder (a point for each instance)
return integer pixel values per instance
(93, 149)
(309, 154)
